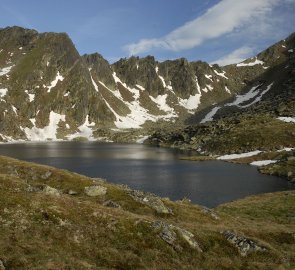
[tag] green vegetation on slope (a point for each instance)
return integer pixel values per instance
(238, 134)
(49, 222)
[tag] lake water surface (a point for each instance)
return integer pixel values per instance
(152, 169)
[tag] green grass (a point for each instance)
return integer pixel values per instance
(259, 132)
(41, 231)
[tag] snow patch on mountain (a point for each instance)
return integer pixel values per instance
(116, 78)
(227, 90)
(263, 162)
(243, 98)
(31, 96)
(258, 98)
(205, 90)
(94, 84)
(221, 74)
(14, 109)
(85, 130)
(8, 139)
(46, 133)
(190, 103)
(287, 119)
(253, 93)
(138, 115)
(197, 84)
(134, 91)
(58, 78)
(3, 92)
(209, 116)
(5, 70)
(242, 155)
(135, 119)
(209, 77)
(209, 87)
(161, 101)
(256, 62)
(141, 139)
(116, 93)
(287, 149)
(165, 85)
(140, 87)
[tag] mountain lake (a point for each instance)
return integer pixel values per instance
(152, 169)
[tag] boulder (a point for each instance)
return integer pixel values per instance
(188, 237)
(33, 188)
(51, 191)
(72, 192)
(170, 233)
(46, 175)
(94, 191)
(243, 244)
(210, 212)
(150, 200)
(167, 234)
(2, 267)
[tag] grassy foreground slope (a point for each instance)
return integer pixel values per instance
(55, 219)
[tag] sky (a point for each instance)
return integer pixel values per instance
(215, 31)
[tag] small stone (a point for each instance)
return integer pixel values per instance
(51, 191)
(46, 175)
(112, 204)
(99, 180)
(94, 191)
(186, 200)
(72, 192)
(210, 212)
(34, 188)
(2, 267)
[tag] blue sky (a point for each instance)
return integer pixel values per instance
(222, 31)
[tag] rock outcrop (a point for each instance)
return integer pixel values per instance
(170, 234)
(243, 244)
(94, 191)
(51, 191)
(150, 200)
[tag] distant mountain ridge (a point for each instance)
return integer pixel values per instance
(49, 92)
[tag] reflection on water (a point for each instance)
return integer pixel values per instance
(152, 169)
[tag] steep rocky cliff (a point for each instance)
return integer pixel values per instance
(49, 92)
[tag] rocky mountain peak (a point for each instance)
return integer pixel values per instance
(101, 69)
(46, 85)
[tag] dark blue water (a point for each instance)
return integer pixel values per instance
(152, 169)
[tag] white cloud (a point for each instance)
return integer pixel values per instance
(223, 18)
(236, 56)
